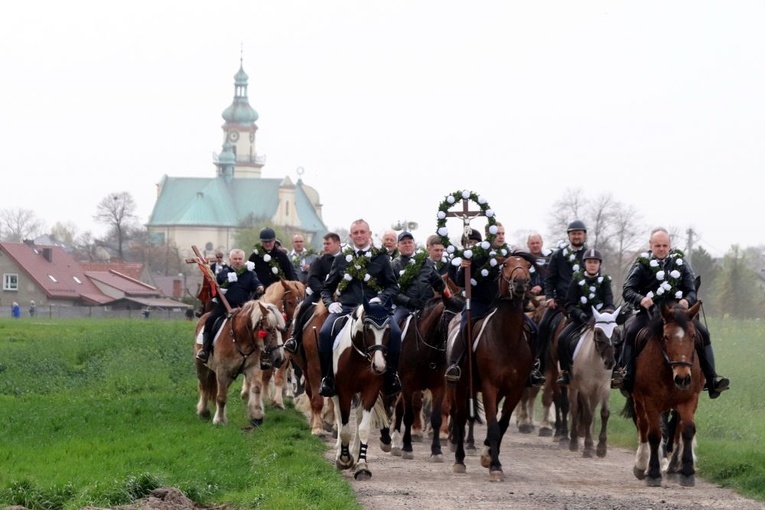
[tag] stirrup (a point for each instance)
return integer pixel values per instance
(392, 385)
(536, 379)
(291, 345)
(453, 373)
(617, 378)
(203, 355)
(564, 379)
(719, 384)
(327, 388)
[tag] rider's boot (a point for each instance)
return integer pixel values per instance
(715, 384)
(536, 379)
(564, 379)
(391, 381)
(293, 342)
(628, 378)
(204, 352)
(453, 371)
(327, 388)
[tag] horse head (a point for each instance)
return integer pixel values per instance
(605, 332)
(515, 276)
(286, 295)
(265, 326)
(369, 333)
(679, 341)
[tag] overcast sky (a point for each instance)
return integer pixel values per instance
(390, 105)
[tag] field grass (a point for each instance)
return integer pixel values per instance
(99, 413)
(731, 428)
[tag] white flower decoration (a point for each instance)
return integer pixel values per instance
(443, 232)
(532, 270)
(645, 255)
(493, 262)
(467, 254)
(473, 282)
(347, 277)
(654, 263)
(348, 258)
(581, 283)
(503, 251)
(367, 277)
(358, 267)
(401, 273)
(275, 270)
(600, 279)
(267, 257)
(592, 288)
(650, 294)
(660, 275)
(679, 261)
(465, 194)
(660, 291)
(583, 300)
(493, 229)
(250, 265)
(456, 261)
(599, 306)
(481, 200)
(666, 286)
(484, 272)
(450, 199)
(675, 274)
(592, 295)
(450, 249)
(441, 215)
(679, 294)
(489, 213)
(485, 245)
(575, 268)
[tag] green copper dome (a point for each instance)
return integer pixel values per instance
(240, 111)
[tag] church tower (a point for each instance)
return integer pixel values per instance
(239, 131)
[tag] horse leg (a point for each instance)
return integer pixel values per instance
(643, 452)
(223, 382)
(561, 416)
(255, 402)
(576, 419)
(207, 386)
(522, 414)
(493, 436)
(362, 471)
(458, 415)
(437, 397)
(278, 376)
(587, 417)
(396, 438)
(688, 432)
(416, 429)
(605, 414)
(245, 393)
(407, 398)
(343, 459)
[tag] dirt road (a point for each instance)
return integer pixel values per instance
(539, 475)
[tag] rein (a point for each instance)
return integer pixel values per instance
(509, 281)
(266, 349)
(367, 355)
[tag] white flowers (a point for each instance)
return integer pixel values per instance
(250, 265)
(679, 261)
(484, 272)
(232, 277)
(465, 194)
(493, 262)
(481, 200)
(450, 249)
(450, 199)
(441, 215)
(583, 299)
(347, 277)
(660, 275)
(348, 258)
(489, 213)
(493, 230)
(267, 257)
(674, 274)
(443, 232)
(679, 294)
(457, 261)
(485, 245)
(467, 254)
(275, 270)
(367, 277)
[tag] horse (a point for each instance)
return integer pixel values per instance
(307, 358)
(422, 365)
(553, 393)
(286, 295)
(503, 361)
(524, 413)
(252, 331)
(594, 359)
(667, 378)
(359, 365)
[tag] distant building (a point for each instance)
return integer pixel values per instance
(208, 212)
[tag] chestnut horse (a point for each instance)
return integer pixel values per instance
(502, 360)
(250, 331)
(286, 295)
(667, 378)
(422, 365)
(359, 365)
(590, 387)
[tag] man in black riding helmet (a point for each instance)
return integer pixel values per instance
(659, 276)
(563, 263)
(271, 263)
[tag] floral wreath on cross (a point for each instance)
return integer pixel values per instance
(482, 249)
(666, 280)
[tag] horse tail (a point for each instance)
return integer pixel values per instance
(629, 409)
(380, 414)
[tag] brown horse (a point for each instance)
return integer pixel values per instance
(502, 359)
(667, 378)
(524, 413)
(251, 331)
(359, 363)
(590, 387)
(422, 365)
(307, 358)
(286, 295)
(555, 405)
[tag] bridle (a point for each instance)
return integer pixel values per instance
(368, 324)
(675, 363)
(509, 280)
(267, 350)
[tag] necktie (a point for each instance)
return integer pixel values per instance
(360, 253)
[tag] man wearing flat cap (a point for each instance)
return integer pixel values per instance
(417, 278)
(271, 263)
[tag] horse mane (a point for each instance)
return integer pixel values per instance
(528, 257)
(274, 319)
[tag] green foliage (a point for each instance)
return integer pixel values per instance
(736, 292)
(102, 412)
(731, 428)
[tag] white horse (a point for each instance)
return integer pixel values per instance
(591, 382)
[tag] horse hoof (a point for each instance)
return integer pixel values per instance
(572, 447)
(653, 482)
(639, 473)
(587, 453)
(407, 455)
(601, 451)
(385, 447)
(417, 438)
(545, 432)
(362, 474)
(497, 476)
(485, 459)
(396, 451)
(563, 443)
(526, 429)
(471, 450)
(459, 468)
(436, 459)
(205, 415)
(256, 422)
(687, 481)
(343, 464)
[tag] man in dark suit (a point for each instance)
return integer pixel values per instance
(360, 271)
(317, 273)
(271, 263)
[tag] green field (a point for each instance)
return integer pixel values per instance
(99, 413)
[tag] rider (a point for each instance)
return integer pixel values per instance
(535, 245)
(417, 278)
(237, 284)
(656, 277)
(271, 263)
(481, 301)
(563, 263)
(360, 271)
(587, 289)
(301, 258)
(316, 275)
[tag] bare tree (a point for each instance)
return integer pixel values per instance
(18, 224)
(118, 211)
(570, 207)
(64, 232)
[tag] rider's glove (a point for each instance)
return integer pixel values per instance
(335, 307)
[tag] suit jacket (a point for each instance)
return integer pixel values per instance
(560, 272)
(264, 270)
(379, 268)
(642, 280)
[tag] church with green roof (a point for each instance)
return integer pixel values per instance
(208, 212)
